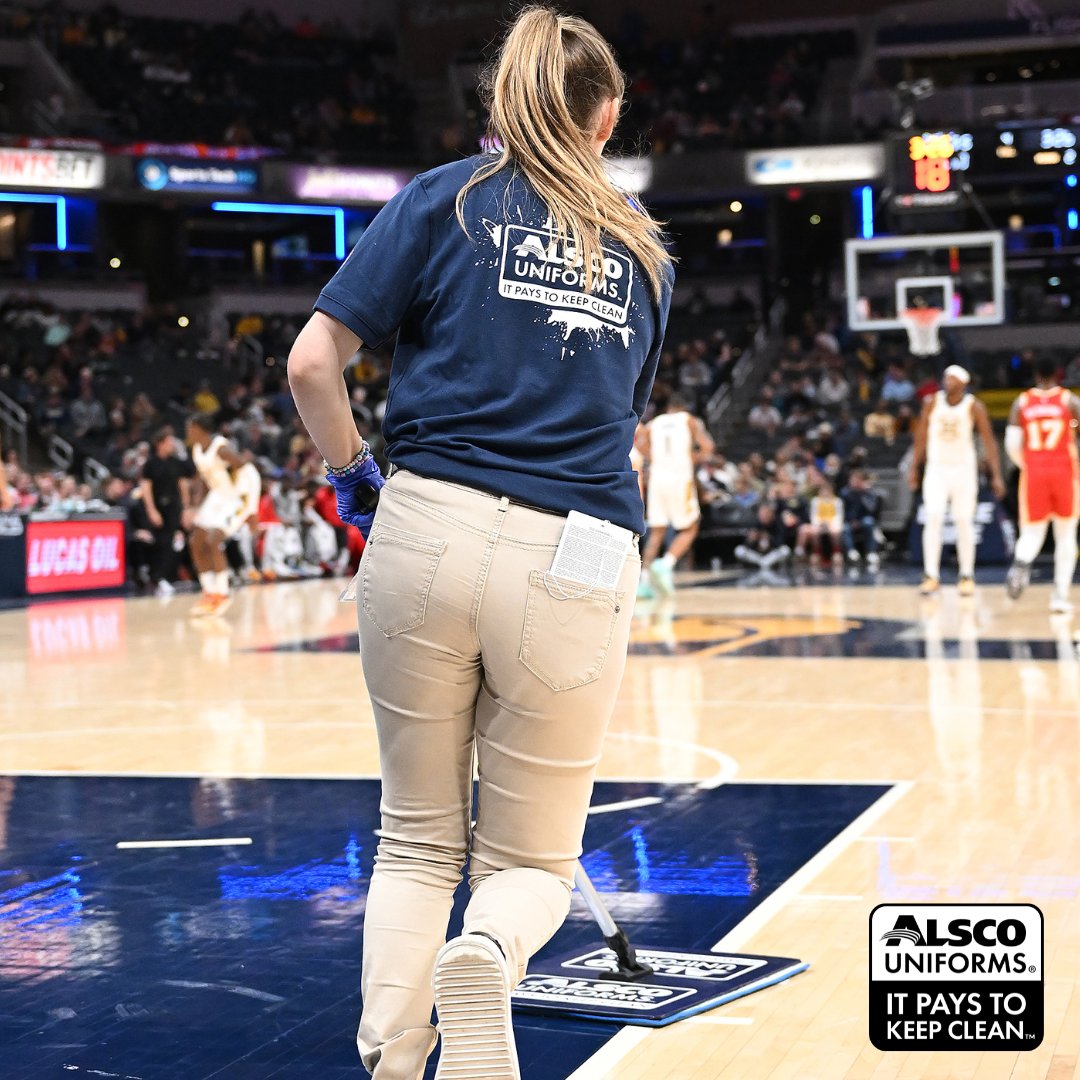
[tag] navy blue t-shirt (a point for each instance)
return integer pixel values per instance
(508, 376)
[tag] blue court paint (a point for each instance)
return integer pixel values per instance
(244, 961)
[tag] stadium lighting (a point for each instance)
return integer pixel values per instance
(114, 262)
(736, 207)
(1074, 220)
(1070, 180)
(866, 207)
(336, 212)
(61, 211)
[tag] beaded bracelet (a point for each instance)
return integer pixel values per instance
(351, 467)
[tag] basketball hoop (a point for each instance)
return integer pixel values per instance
(921, 324)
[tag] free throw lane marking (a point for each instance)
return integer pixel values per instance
(626, 804)
(213, 841)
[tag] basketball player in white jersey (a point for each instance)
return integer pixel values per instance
(247, 483)
(217, 518)
(945, 441)
(637, 457)
(674, 442)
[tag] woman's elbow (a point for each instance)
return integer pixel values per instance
(305, 367)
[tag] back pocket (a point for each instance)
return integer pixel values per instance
(568, 630)
(395, 578)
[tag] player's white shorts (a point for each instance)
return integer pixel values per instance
(220, 512)
(671, 502)
(957, 485)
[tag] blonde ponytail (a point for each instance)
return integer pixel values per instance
(552, 75)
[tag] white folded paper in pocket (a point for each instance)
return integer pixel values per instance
(591, 551)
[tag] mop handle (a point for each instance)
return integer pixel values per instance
(600, 913)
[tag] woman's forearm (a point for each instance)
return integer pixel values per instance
(316, 362)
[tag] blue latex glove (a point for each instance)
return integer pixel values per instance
(358, 495)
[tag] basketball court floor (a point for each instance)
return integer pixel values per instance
(780, 761)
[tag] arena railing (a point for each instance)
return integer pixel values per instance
(15, 422)
(94, 472)
(61, 452)
(753, 357)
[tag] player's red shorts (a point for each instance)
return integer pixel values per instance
(1046, 493)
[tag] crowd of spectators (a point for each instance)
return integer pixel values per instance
(801, 482)
(868, 391)
(706, 90)
(63, 368)
(705, 340)
(319, 88)
(801, 504)
(796, 482)
(1015, 369)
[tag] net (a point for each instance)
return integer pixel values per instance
(922, 325)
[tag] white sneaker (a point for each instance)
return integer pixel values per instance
(873, 562)
(662, 578)
(165, 588)
(472, 1001)
(1059, 605)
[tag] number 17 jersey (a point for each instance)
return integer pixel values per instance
(1048, 482)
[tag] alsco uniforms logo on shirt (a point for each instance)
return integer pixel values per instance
(537, 267)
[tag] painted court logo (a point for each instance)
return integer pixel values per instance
(956, 977)
(698, 967)
(591, 994)
(535, 266)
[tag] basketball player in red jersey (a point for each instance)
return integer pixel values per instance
(1041, 440)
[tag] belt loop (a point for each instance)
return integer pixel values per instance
(504, 504)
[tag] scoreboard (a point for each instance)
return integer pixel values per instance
(928, 169)
(1039, 149)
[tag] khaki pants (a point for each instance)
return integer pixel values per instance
(465, 642)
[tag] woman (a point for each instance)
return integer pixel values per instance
(530, 299)
(826, 519)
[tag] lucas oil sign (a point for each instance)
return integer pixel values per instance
(956, 977)
(65, 556)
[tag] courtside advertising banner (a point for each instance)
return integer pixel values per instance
(70, 556)
(64, 169)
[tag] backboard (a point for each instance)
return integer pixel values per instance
(963, 274)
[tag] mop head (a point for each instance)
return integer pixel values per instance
(681, 984)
